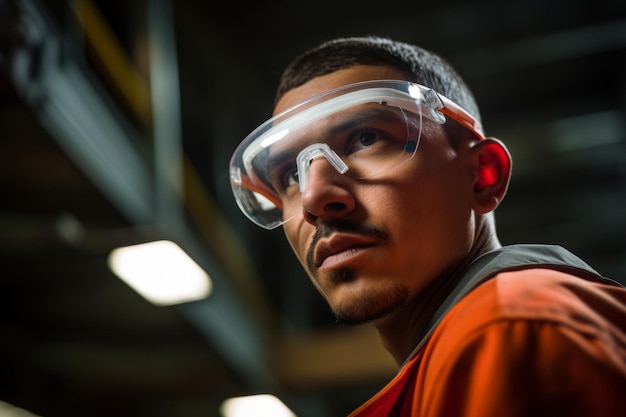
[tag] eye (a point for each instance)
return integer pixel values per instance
(367, 138)
(291, 178)
(283, 178)
(364, 139)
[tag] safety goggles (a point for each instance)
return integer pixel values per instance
(362, 130)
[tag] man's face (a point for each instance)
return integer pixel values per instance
(371, 245)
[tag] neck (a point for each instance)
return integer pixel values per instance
(401, 332)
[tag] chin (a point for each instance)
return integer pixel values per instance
(371, 306)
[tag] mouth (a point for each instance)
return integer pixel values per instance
(340, 249)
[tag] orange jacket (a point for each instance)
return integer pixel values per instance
(532, 342)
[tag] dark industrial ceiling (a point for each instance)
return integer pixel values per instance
(82, 166)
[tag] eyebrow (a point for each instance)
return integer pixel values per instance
(380, 113)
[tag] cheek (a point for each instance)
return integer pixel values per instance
(430, 218)
(455, 219)
(298, 234)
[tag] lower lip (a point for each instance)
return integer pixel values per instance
(342, 258)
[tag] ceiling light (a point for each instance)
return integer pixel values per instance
(587, 131)
(255, 405)
(161, 272)
(9, 410)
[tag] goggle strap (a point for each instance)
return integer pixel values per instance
(458, 114)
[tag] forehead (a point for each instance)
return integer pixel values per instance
(321, 84)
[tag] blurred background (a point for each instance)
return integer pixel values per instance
(117, 122)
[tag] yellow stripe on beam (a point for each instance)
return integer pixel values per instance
(125, 76)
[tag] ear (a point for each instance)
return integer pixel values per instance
(493, 173)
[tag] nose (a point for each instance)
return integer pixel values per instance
(326, 194)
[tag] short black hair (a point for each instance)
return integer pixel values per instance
(418, 64)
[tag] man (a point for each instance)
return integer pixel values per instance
(377, 168)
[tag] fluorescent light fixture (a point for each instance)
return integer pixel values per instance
(587, 131)
(263, 405)
(161, 272)
(9, 410)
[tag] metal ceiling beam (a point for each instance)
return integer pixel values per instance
(78, 113)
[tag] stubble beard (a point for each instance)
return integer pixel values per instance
(371, 306)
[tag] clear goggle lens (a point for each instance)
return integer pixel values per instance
(361, 130)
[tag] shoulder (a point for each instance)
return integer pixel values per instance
(535, 337)
(515, 310)
(538, 294)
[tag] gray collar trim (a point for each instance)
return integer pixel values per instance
(510, 258)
